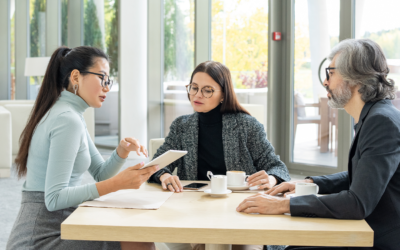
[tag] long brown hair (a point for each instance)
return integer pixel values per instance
(221, 75)
(63, 61)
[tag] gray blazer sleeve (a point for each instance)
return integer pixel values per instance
(377, 163)
(263, 153)
(171, 143)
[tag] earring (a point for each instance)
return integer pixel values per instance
(222, 101)
(76, 86)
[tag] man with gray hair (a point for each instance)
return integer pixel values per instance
(356, 80)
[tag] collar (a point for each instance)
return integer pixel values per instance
(76, 102)
(364, 112)
(212, 116)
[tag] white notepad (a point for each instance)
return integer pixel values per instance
(129, 198)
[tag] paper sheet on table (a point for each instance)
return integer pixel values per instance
(134, 199)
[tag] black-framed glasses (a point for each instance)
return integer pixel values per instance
(104, 83)
(327, 72)
(206, 91)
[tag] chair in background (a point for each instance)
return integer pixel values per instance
(300, 116)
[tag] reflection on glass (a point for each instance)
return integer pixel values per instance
(314, 123)
(240, 41)
(178, 58)
(37, 39)
(12, 16)
(101, 31)
(384, 29)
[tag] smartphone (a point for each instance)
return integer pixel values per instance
(194, 186)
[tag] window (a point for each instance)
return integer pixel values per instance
(384, 29)
(37, 39)
(315, 124)
(240, 41)
(178, 58)
(101, 31)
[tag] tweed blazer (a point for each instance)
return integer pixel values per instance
(245, 145)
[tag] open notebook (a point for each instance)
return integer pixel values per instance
(134, 199)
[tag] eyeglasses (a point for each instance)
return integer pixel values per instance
(104, 83)
(206, 91)
(327, 72)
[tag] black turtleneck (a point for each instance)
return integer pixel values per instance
(210, 148)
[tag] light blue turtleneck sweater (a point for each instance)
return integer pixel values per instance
(61, 151)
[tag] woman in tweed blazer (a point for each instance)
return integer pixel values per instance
(244, 141)
(220, 136)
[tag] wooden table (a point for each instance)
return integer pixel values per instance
(194, 217)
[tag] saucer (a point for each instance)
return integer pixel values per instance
(208, 191)
(238, 188)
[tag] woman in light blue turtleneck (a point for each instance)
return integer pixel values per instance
(56, 150)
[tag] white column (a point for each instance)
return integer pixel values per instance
(133, 70)
(202, 31)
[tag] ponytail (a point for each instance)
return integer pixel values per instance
(63, 61)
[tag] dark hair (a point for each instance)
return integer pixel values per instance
(221, 75)
(57, 77)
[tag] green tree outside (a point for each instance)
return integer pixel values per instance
(92, 31)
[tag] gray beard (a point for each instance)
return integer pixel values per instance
(340, 97)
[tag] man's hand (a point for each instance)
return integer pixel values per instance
(264, 204)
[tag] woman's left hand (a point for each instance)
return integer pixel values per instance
(263, 179)
(129, 144)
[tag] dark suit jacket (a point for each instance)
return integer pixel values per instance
(370, 189)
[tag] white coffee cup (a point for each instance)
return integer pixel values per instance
(306, 188)
(236, 178)
(219, 184)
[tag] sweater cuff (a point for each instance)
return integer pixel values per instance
(155, 178)
(116, 157)
(279, 180)
(94, 193)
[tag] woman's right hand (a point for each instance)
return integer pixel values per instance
(134, 177)
(171, 182)
(130, 178)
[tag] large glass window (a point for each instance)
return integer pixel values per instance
(37, 39)
(178, 58)
(240, 41)
(101, 31)
(381, 24)
(315, 124)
